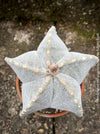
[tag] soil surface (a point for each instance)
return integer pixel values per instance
(77, 24)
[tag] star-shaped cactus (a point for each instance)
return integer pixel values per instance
(51, 76)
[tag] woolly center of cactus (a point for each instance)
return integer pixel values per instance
(53, 69)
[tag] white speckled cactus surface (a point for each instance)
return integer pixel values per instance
(51, 76)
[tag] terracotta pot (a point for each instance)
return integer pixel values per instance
(40, 113)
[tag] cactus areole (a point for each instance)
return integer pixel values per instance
(51, 76)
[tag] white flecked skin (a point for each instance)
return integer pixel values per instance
(51, 76)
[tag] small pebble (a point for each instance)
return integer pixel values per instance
(15, 38)
(41, 131)
(12, 111)
(45, 125)
(81, 129)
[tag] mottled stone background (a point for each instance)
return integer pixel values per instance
(23, 24)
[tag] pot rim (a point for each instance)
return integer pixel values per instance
(40, 113)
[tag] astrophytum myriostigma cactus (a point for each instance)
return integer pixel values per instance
(51, 76)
